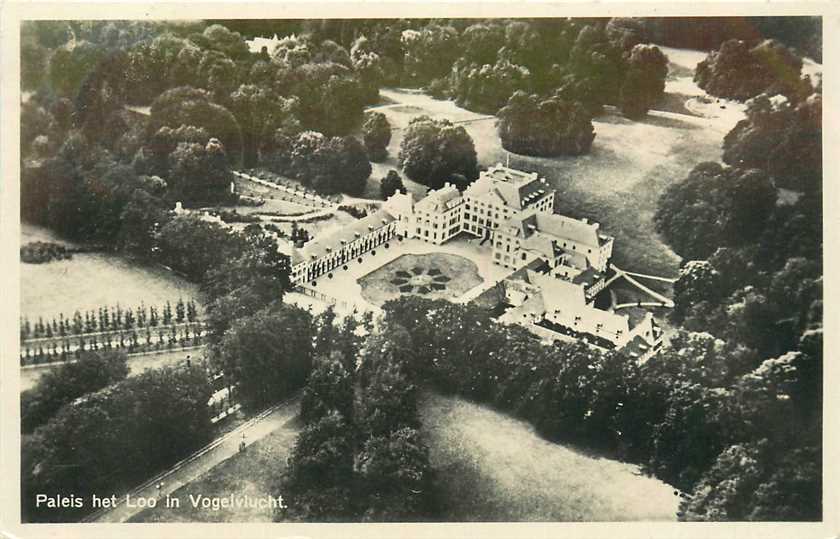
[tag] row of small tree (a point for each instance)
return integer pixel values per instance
(110, 319)
(131, 341)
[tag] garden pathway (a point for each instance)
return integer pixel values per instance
(211, 455)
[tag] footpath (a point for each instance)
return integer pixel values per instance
(203, 460)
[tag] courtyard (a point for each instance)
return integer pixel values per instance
(459, 269)
(433, 276)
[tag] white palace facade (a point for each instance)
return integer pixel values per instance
(558, 264)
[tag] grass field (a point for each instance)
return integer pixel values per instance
(494, 468)
(433, 276)
(91, 280)
(619, 182)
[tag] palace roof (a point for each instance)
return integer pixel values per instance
(322, 246)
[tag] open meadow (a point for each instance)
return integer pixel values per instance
(492, 467)
(92, 280)
(619, 182)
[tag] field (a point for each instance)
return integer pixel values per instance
(494, 468)
(433, 276)
(629, 166)
(91, 280)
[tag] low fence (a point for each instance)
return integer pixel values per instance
(320, 296)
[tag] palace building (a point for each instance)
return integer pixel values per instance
(502, 193)
(558, 264)
(320, 256)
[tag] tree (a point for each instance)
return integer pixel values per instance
(69, 66)
(319, 475)
(194, 246)
(62, 385)
(269, 353)
(481, 42)
(432, 150)
(334, 165)
(781, 138)
(232, 44)
(328, 390)
(739, 71)
(698, 281)
(390, 184)
(369, 66)
(199, 174)
(118, 435)
(532, 125)
(376, 132)
(599, 61)
(644, 82)
(486, 88)
(714, 207)
(429, 52)
(260, 114)
(394, 472)
(195, 107)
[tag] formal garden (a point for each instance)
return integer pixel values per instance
(434, 275)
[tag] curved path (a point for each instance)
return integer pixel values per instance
(666, 302)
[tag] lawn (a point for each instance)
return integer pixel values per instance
(433, 276)
(619, 182)
(90, 280)
(491, 467)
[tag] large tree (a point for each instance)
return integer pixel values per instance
(532, 125)
(115, 437)
(268, 353)
(195, 107)
(376, 132)
(329, 165)
(433, 150)
(714, 207)
(486, 88)
(57, 387)
(781, 138)
(644, 81)
(740, 71)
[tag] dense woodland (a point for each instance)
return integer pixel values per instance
(729, 412)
